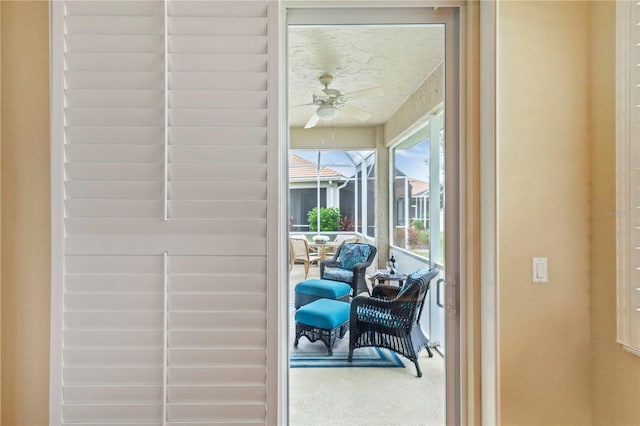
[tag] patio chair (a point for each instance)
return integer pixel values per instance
(349, 264)
(312, 250)
(390, 317)
(299, 252)
(341, 239)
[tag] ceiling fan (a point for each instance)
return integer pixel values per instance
(333, 102)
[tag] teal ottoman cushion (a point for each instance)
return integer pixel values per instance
(323, 319)
(310, 290)
(323, 288)
(324, 313)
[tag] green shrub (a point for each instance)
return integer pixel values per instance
(329, 219)
(417, 224)
(423, 237)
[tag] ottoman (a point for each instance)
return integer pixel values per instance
(310, 290)
(323, 319)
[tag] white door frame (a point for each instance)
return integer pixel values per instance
(351, 12)
(489, 279)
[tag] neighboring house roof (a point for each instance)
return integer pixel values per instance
(301, 169)
(418, 187)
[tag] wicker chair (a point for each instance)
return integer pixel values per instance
(349, 264)
(390, 318)
(299, 252)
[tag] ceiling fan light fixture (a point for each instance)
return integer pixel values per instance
(327, 112)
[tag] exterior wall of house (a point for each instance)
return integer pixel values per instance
(616, 373)
(543, 211)
(423, 101)
(25, 213)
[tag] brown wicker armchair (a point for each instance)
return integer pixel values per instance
(390, 318)
(349, 264)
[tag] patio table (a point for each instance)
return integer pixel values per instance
(322, 247)
(382, 275)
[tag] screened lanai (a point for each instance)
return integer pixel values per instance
(332, 179)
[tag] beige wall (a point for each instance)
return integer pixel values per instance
(0, 214)
(543, 205)
(25, 212)
(616, 373)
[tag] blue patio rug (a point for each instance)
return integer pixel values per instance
(362, 357)
(314, 354)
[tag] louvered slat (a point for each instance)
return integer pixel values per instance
(219, 393)
(218, 283)
(224, 227)
(196, 320)
(179, 245)
(218, 209)
(223, 135)
(113, 394)
(186, 228)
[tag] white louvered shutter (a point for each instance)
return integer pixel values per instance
(114, 89)
(164, 319)
(628, 174)
(217, 170)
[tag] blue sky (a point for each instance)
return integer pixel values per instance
(411, 162)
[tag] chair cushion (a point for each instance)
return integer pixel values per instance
(410, 282)
(352, 254)
(323, 288)
(324, 313)
(338, 275)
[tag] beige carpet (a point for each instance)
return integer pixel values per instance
(366, 396)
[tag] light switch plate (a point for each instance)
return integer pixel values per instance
(539, 270)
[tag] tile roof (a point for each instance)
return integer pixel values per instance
(302, 169)
(418, 187)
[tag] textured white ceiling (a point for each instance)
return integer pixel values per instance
(394, 58)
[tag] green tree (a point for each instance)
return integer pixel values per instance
(329, 219)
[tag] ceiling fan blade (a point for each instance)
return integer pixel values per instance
(371, 92)
(312, 121)
(301, 105)
(358, 113)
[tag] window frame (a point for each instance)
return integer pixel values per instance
(626, 144)
(421, 131)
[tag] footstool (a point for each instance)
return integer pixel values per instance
(323, 319)
(308, 291)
